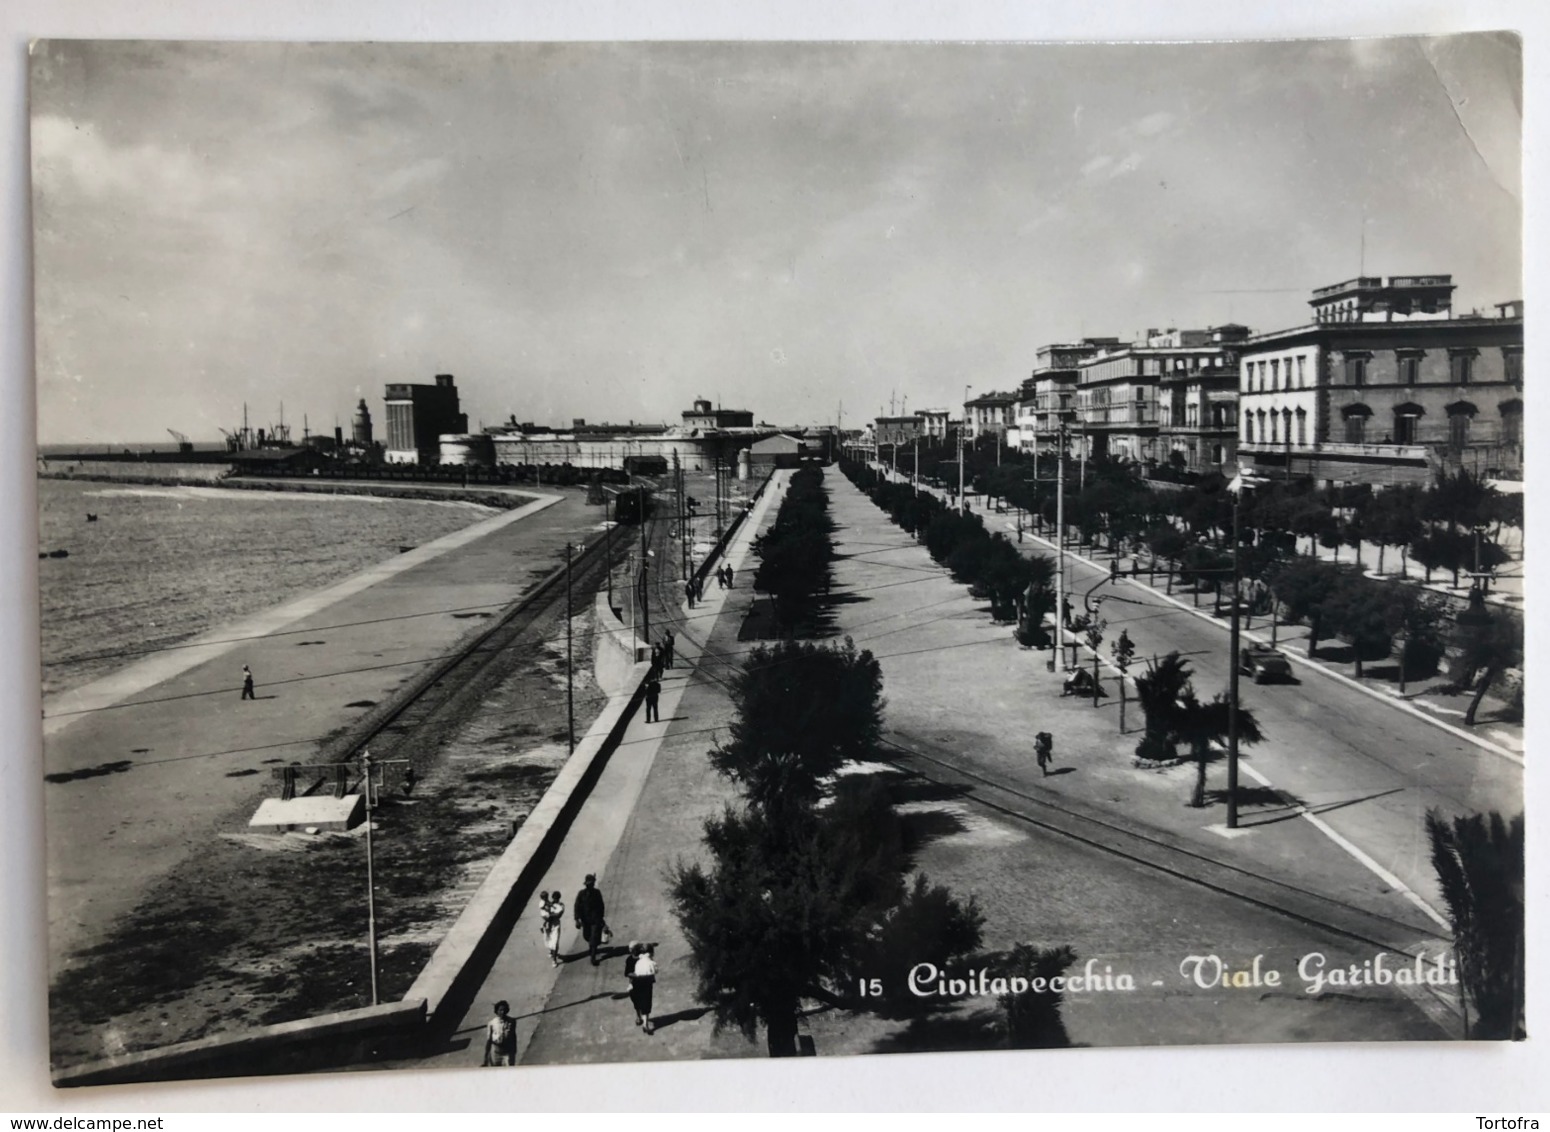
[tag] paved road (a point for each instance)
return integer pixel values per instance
(1369, 770)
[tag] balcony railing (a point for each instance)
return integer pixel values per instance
(1360, 283)
(1339, 448)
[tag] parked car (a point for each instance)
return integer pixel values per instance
(1264, 663)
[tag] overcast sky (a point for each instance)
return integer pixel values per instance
(608, 231)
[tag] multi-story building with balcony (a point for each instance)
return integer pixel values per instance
(1127, 394)
(1049, 394)
(1197, 404)
(1372, 392)
(938, 425)
(989, 414)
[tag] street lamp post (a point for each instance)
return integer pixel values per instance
(1060, 554)
(570, 662)
(1232, 679)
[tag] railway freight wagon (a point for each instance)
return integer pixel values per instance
(631, 506)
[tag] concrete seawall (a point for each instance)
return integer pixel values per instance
(306, 1045)
(456, 968)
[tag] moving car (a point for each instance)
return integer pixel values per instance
(1264, 663)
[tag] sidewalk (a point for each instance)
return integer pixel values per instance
(647, 809)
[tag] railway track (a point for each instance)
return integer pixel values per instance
(412, 723)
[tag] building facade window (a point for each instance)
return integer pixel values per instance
(1512, 364)
(1248, 428)
(1458, 430)
(1356, 423)
(1405, 425)
(1275, 373)
(1512, 422)
(1302, 428)
(1461, 363)
(1409, 368)
(1356, 369)
(1302, 371)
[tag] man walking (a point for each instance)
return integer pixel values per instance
(247, 683)
(589, 915)
(653, 694)
(668, 643)
(1044, 748)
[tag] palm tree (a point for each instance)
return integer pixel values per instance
(1479, 863)
(1201, 724)
(1494, 646)
(1159, 690)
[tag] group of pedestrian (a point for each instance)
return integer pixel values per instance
(694, 590)
(640, 968)
(664, 652)
(724, 577)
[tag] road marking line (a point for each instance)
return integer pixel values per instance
(1330, 832)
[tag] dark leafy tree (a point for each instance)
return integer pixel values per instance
(773, 919)
(1033, 1018)
(801, 710)
(927, 925)
(1489, 649)
(1479, 864)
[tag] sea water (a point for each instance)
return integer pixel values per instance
(163, 564)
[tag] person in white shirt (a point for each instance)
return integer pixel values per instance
(643, 981)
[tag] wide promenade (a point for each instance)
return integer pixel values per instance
(955, 684)
(1362, 771)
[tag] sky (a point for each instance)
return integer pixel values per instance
(809, 231)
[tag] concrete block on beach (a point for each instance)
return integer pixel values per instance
(321, 813)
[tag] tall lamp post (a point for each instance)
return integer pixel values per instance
(1240, 482)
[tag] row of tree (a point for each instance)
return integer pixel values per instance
(1453, 525)
(1370, 614)
(1018, 587)
(795, 553)
(805, 893)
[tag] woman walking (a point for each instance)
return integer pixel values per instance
(551, 913)
(643, 981)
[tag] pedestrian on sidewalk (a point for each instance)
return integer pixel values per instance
(500, 1037)
(643, 983)
(653, 694)
(589, 916)
(671, 648)
(656, 659)
(1044, 748)
(729, 575)
(552, 915)
(247, 683)
(689, 592)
